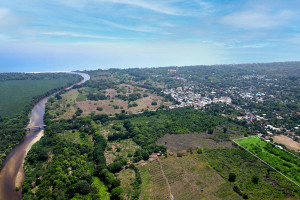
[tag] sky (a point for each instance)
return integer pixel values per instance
(59, 35)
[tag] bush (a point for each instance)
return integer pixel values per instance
(199, 150)
(78, 112)
(99, 108)
(116, 192)
(232, 177)
(210, 131)
(255, 179)
(154, 103)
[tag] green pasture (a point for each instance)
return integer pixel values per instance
(16, 94)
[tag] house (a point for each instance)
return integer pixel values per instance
(259, 134)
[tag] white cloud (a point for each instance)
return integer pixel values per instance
(150, 5)
(255, 19)
(153, 5)
(4, 37)
(71, 34)
(7, 18)
(121, 26)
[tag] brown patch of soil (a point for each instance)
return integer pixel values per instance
(288, 142)
(179, 142)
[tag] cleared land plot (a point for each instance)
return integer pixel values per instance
(179, 142)
(281, 160)
(153, 185)
(77, 98)
(64, 108)
(108, 105)
(271, 185)
(190, 177)
(127, 177)
(16, 94)
(123, 148)
(77, 137)
(288, 142)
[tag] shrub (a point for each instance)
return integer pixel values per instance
(255, 179)
(199, 150)
(99, 108)
(116, 192)
(245, 196)
(210, 131)
(232, 177)
(154, 103)
(78, 112)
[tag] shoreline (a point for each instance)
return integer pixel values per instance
(21, 174)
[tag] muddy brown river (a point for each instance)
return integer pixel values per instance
(12, 173)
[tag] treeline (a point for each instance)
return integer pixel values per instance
(33, 76)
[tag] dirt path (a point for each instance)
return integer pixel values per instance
(163, 173)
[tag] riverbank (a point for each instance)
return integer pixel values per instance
(20, 176)
(12, 173)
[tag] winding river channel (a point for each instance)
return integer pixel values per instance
(12, 173)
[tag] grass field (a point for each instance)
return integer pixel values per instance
(125, 146)
(281, 160)
(190, 178)
(77, 137)
(16, 94)
(271, 185)
(127, 177)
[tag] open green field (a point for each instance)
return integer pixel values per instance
(16, 94)
(281, 160)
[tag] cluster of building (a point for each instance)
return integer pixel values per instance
(251, 95)
(186, 97)
(249, 117)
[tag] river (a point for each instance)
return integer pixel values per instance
(12, 173)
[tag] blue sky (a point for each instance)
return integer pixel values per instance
(52, 35)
